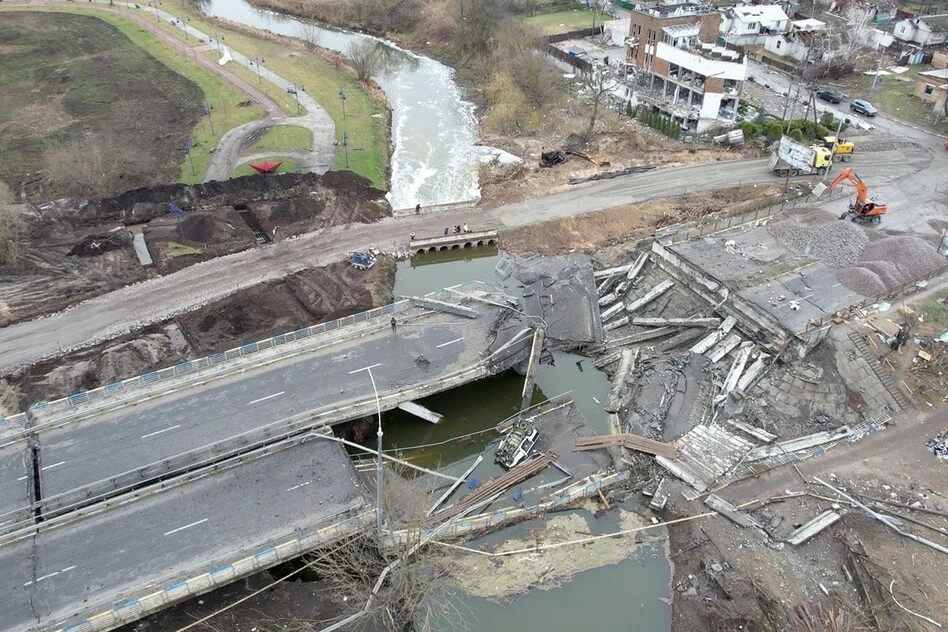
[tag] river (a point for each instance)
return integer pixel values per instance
(630, 595)
(434, 131)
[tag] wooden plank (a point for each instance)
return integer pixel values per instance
(650, 446)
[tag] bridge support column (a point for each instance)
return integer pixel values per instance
(530, 377)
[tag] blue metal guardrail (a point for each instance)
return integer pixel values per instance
(193, 366)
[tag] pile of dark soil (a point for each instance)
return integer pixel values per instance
(98, 244)
(296, 210)
(206, 228)
(299, 300)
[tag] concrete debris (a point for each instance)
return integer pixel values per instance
(939, 445)
(800, 443)
(715, 336)
(734, 374)
(813, 527)
(626, 365)
(724, 347)
(561, 290)
(637, 267)
(612, 272)
(659, 497)
(650, 296)
(442, 306)
(676, 322)
(757, 433)
(670, 395)
(752, 373)
(658, 332)
(706, 453)
(729, 511)
(612, 311)
(681, 339)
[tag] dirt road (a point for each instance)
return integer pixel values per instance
(158, 299)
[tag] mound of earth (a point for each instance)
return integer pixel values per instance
(99, 244)
(206, 228)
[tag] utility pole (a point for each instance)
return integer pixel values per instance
(875, 77)
(345, 146)
(257, 64)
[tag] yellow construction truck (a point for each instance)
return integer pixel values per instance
(791, 158)
(844, 148)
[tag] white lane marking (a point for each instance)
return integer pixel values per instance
(298, 486)
(366, 368)
(187, 526)
(49, 467)
(53, 574)
(263, 399)
(158, 432)
(450, 342)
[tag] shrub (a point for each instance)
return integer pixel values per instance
(751, 130)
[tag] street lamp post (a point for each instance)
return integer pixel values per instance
(875, 77)
(345, 146)
(184, 27)
(155, 6)
(207, 110)
(342, 97)
(257, 64)
(378, 460)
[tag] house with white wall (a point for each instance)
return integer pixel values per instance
(796, 42)
(750, 24)
(926, 30)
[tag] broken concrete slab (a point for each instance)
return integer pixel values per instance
(729, 511)
(650, 296)
(679, 340)
(735, 372)
(612, 311)
(801, 443)
(813, 527)
(715, 336)
(676, 322)
(658, 332)
(626, 365)
(724, 347)
(442, 306)
(757, 433)
(752, 373)
(615, 324)
(611, 272)
(705, 454)
(659, 497)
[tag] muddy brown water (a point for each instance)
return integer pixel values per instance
(630, 595)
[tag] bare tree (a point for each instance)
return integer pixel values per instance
(596, 86)
(310, 34)
(478, 23)
(93, 166)
(368, 58)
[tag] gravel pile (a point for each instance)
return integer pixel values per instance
(835, 243)
(862, 281)
(887, 263)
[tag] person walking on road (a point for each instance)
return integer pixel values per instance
(394, 324)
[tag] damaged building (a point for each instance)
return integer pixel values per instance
(685, 75)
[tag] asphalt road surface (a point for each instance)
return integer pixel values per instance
(159, 299)
(77, 448)
(150, 544)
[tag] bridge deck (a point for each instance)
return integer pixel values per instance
(157, 542)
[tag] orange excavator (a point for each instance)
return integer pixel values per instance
(863, 209)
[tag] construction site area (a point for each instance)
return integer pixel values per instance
(753, 399)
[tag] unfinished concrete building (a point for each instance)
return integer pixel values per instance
(687, 76)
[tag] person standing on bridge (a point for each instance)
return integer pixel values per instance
(394, 324)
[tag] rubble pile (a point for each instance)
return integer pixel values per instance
(939, 445)
(836, 243)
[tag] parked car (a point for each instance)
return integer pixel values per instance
(863, 107)
(829, 95)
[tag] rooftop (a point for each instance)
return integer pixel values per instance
(760, 13)
(935, 74)
(663, 11)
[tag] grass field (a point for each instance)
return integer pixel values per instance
(367, 120)
(283, 138)
(146, 96)
(894, 96)
(245, 169)
(566, 21)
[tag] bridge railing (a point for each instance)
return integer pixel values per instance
(222, 572)
(322, 332)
